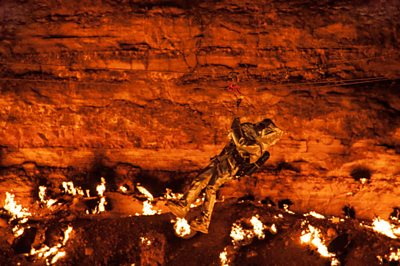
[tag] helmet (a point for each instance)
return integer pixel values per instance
(268, 132)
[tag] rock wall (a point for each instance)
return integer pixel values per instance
(145, 83)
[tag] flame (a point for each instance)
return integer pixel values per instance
(145, 241)
(258, 227)
(286, 209)
(123, 189)
(386, 228)
(102, 187)
(394, 255)
(67, 233)
(54, 252)
(58, 255)
(145, 192)
(169, 195)
(42, 196)
(102, 202)
(223, 256)
(312, 236)
(69, 188)
(14, 209)
(273, 229)
(181, 226)
(239, 234)
(315, 215)
(147, 205)
(148, 208)
(17, 212)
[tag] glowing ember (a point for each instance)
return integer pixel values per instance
(181, 226)
(384, 227)
(69, 188)
(15, 209)
(42, 197)
(223, 256)
(258, 227)
(312, 236)
(315, 215)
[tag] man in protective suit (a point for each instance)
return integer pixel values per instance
(243, 155)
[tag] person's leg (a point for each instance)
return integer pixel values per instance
(180, 208)
(202, 222)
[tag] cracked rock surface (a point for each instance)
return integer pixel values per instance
(144, 83)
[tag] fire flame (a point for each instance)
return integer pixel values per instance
(181, 226)
(386, 228)
(54, 252)
(170, 195)
(286, 209)
(145, 241)
(69, 188)
(394, 255)
(17, 212)
(148, 208)
(123, 189)
(15, 209)
(147, 205)
(312, 236)
(315, 215)
(223, 256)
(258, 227)
(145, 192)
(238, 234)
(102, 202)
(42, 197)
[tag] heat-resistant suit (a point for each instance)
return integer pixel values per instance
(245, 152)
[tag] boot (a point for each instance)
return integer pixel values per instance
(200, 224)
(178, 208)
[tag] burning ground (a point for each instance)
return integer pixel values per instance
(70, 224)
(106, 104)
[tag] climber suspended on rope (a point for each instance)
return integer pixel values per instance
(245, 153)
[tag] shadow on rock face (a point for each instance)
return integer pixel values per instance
(361, 172)
(349, 212)
(98, 170)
